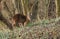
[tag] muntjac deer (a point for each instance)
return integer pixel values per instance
(19, 19)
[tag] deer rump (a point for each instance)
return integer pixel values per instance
(19, 19)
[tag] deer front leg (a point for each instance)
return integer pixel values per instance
(25, 23)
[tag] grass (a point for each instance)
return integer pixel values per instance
(31, 30)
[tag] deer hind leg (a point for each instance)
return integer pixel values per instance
(20, 25)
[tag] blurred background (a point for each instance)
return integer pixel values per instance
(36, 9)
(44, 15)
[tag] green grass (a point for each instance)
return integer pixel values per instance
(6, 33)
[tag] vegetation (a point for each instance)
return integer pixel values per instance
(44, 30)
(43, 14)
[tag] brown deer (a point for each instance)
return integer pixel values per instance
(19, 19)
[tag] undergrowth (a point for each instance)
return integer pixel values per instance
(16, 33)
